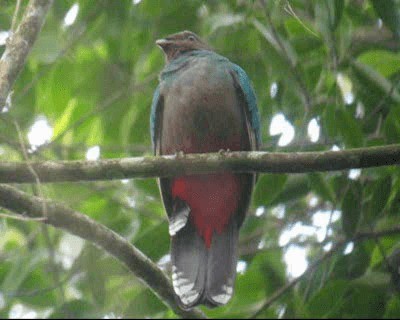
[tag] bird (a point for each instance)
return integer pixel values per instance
(203, 103)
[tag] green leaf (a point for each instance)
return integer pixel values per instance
(145, 304)
(63, 122)
(286, 52)
(295, 187)
(22, 266)
(389, 12)
(380, 196)
(328, 14)
(268, 188)
(384, 62)
(351, 209)
(385, 245)
(47, 47)
(328, 301)
(329, 121)
(321, 187)
(158, 234)
(95, 136)
(351, 265)
(38, 281)
(12, 239)
(376, 81)
(376, 280)
(349, 128)
(297, 27)
(217, 21)
(393, 203)
(392, 308)
(364, 300)
(74, 309)
(391, 127)
(96, 78)
(338, 9)
(96, 274)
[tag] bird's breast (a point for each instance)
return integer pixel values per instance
(202, 112)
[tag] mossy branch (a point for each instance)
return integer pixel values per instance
(20, 44)
(175, 165)
(82, 226)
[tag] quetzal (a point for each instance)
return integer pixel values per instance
(203, 103)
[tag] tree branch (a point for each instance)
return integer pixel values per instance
(367, 38)
(82, 226)
(19, 46)
(179, 164)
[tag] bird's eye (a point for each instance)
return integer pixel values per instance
(191, 38)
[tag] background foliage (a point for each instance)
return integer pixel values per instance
(88, 85)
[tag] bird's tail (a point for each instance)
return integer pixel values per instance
(202, 275)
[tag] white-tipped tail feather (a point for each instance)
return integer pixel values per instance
(224, 296)
(179, 219)
(183, 287)
(201, 274)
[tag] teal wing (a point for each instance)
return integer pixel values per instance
(251, 101)
(155, 124)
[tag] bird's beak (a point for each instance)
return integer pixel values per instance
(162, 43)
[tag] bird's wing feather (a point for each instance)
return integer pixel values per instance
(252, 121)
(157, 108)
(251, 111)
(155, 124)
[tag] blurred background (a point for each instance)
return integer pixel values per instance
(326, 74)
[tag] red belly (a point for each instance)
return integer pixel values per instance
(213, 198)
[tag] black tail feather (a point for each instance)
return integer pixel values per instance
(188, 256)
(201, 275)
(221, 268)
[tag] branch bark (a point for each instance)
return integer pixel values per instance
(179, 164)
(80, 225)
(372, 38)
(20, 44)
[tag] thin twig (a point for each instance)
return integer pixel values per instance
(30, 168)
(21, 217)
(382, 101)
(105, 105)
(52, 263)
(35, 292)
(38, 191)
(15, 16)
(281, 291)
(78, 33)
(288, 8)
(361, 236)
(292, 65)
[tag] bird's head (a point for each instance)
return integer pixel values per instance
(180, 42)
